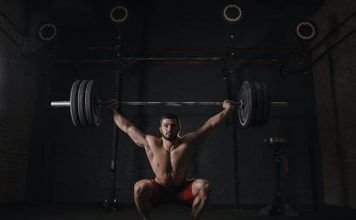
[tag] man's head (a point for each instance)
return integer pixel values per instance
(170, 126)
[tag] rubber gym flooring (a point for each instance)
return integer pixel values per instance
(164, 212)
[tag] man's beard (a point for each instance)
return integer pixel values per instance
(171, 138)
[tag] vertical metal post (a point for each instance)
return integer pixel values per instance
(228, 71)
(115, 129)
(114, 204)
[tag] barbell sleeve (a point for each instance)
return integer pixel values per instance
(279, 104)
(59, 104)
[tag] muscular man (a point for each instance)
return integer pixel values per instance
(170, 156)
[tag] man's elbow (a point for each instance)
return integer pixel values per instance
(127, 128)
(139, 144)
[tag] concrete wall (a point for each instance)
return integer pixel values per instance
(335, 85)
(24, 65)
(16, 108)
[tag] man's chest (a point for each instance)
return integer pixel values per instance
(175, 156)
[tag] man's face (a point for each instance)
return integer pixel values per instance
(169, 129)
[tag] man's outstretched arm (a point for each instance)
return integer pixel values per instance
(213, 122)
(126, 126)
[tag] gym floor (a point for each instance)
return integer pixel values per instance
(164, 212)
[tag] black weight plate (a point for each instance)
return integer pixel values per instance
(244, 111)
(92, 107)
(96, 97)
(89, 103)
(81, 103)
(267, 106)
(253, 104)
(74, 103)
(260, 102)
(263, 105)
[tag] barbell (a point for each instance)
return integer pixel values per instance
(253, 101)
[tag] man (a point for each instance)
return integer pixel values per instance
(170, 157)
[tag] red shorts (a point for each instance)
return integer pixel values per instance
(178, 194)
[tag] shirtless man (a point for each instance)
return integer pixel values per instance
(170, 156)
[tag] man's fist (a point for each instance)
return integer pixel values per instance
(113, 104)
(227, 104)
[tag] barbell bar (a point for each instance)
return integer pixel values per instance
(59, 104)
(85, 104)
(104, 103)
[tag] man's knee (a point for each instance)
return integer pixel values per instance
(142, 189)
(201, 188)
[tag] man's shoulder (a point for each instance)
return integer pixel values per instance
(152, 138)
(188, 137)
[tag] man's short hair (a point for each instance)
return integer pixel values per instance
(169, 116)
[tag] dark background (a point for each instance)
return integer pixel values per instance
(44, 159)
